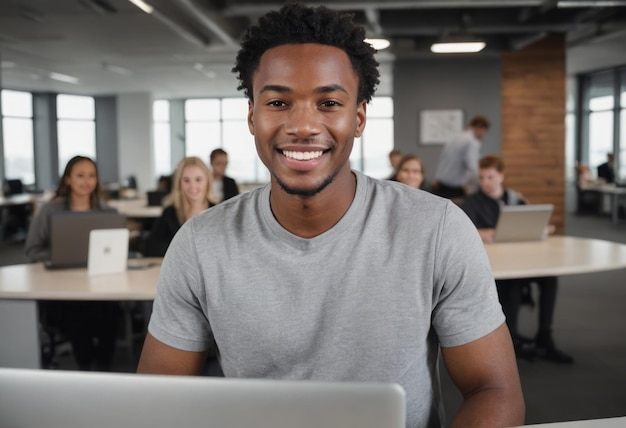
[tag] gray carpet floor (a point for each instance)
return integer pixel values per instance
(590, 324)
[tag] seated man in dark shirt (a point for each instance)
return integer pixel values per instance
(606, 171)
(224, 187)
(483, 208)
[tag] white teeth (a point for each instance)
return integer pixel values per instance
(302, 155)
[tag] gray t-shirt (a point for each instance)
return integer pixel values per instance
(371, 299)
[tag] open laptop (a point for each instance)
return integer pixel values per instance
(69, 235)
(155, 198)
(71, 399)
(108, 251)
(519, 223)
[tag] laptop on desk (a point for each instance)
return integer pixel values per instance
(519, 223)
(108, 251)
(69, 235)
(71, 399)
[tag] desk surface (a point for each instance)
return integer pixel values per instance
(34, 281)
(557, 255)
(20, 199)
(604, 187)
(593, 423)
(135, 208)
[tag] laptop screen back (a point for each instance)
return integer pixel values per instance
(45, 398)
(69, 235)
(518, 223)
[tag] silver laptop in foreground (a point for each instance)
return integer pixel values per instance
(69, 399)
(518, 223)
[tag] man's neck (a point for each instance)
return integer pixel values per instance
(497, 194)
(311, 216)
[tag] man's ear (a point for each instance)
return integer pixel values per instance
(250, 116)
(361, 111)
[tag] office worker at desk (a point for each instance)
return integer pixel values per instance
(483, 208)
(322, 274)
(606, 171)
(191, 194)
(224, 187)
(91, 327)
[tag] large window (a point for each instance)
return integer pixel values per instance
(213, 123)
(76, 128)
(17, 123)
(600, 105)
(604, 119)
(621, 172)
(222, 123)
(161, 131)
(370, 152)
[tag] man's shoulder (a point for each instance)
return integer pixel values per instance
(396, 195)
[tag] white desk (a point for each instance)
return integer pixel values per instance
(608, 189)
(592, 423)
(135, 208)
(555, 256)
(22, 286)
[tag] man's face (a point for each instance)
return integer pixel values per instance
(491, 181)
(479, 132)
(219, 164)
(305, 115)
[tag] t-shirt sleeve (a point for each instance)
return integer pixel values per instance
(178, 316)
(466, 305)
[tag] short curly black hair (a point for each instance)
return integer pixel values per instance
(296, 23)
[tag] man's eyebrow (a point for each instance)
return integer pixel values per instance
(275, 88)
(321, 90)
(330, 88)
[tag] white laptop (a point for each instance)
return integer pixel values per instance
(108, 251)
(69, 235)
(72, 399)
(519, 223)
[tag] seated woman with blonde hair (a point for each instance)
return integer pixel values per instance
(191, 194)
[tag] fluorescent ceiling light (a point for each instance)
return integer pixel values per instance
(7, 64)
(457, 47)
(116, 69)
(142, 5)
(378, 44)
(63, 78)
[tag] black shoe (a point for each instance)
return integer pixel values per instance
(524, 348)
(546, 349)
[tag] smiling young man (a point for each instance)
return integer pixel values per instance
(325, 273)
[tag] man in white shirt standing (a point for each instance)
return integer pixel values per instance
(458, 166)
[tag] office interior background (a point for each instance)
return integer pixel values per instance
(138, 89)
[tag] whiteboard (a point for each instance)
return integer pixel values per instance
(440, 126)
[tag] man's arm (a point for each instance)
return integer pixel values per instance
(159, 358)
(485, 372)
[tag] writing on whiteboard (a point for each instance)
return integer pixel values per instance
(440, 126)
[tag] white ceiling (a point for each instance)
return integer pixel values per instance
(187, 47)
